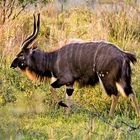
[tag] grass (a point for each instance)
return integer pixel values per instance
(29, 111)
(57, 125)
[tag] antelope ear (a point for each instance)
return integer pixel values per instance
(33, 45)
(32, 50)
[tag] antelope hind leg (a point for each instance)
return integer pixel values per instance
(114, 104)
(134, 100)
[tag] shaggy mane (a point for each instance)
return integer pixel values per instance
(34, 76)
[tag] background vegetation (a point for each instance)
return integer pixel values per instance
(29, 110)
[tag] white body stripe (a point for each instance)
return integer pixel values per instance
(101, 83)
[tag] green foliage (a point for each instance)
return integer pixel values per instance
(29, 111)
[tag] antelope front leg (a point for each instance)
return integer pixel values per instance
(69, 91)
(56, 83)
(56, 97)
(114, 104)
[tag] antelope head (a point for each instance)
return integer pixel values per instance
(22, 59)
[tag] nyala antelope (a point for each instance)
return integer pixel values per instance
(88, 63)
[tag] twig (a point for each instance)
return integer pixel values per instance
(10, 7)
(98, 116)
(23, 7)
(132, 128)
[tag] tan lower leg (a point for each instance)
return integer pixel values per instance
(69, 91)
(69, 102)
(135, 103)
(113, 105)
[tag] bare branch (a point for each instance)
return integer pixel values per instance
(132, 128)
(117, 126)
(98, 116)
(22, 9)
(11, 6)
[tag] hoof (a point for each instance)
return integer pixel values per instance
(62, 104)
